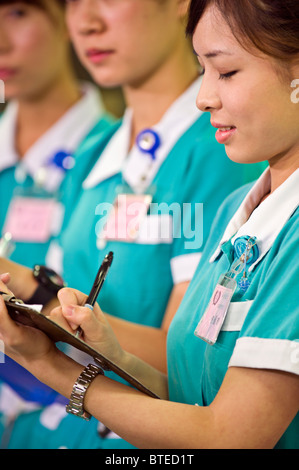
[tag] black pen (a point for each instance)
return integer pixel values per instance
(97, 285)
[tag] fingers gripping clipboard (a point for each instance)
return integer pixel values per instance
(29, 316)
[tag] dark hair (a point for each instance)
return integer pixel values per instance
(37, 3)
(271, 26)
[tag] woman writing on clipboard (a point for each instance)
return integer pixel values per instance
(248, 368)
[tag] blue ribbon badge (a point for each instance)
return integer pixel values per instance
(246, 247)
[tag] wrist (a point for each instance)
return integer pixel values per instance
(126, 360)
(76, 404)
(56, 370)
(30, 284)
(21, 283)
(47, 283)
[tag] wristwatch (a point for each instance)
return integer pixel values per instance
(49, 283)
(75, 405)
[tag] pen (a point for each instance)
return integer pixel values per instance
(97, 285)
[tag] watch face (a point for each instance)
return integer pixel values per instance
(56, 279)
(48, 278)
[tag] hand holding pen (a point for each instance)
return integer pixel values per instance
(97, 285)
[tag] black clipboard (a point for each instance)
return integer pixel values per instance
(26, 315)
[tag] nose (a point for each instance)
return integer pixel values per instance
(207, 97)
(85, 17)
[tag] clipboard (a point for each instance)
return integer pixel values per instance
(29, 316)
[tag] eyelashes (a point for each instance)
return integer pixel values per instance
(226, 76)
(222, 76)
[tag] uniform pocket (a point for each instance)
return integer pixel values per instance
(236, 315)
(156, 229)
(217, 356)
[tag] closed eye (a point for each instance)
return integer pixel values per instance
(226, 76)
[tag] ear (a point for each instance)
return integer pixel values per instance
(183, 8)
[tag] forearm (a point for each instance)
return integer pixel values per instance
(148, 344)
(143, 421)
(241, 416)
(22, 282)
(56, 370)
(150, 377)
(147, 422)
(249, 410)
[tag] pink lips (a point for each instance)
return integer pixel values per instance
(224, 133)
(6, 73)
(96, 56)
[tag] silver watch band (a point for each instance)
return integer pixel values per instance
(76, 405)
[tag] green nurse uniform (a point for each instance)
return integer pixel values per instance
(17, 177)
(261, 329)
(43, 169)
(190, 168)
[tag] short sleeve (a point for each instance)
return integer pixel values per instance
(269, 337)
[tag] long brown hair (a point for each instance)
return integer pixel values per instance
(271, 26)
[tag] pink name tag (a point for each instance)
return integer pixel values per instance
(126, 216)
(31, 219)
(211, 323)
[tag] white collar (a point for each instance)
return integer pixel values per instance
(266, 220)
(134, 164)
(8, 154)
(64, 135)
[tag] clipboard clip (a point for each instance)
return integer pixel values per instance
(11, 298)
(101, 364)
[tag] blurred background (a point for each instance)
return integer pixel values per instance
(113, 98)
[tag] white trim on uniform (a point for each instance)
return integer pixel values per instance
(113, 156)
(266, 220)
(12, 404)
(66, 134)
(54, 257)
(154, 229)
(236, 315)
(134, 164)
(183, 267)
(264, 353)
(52, 415)
(8, 154)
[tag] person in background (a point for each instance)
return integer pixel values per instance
(48, 114)
(162, 151)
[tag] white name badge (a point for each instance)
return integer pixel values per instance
(212, 320)
(32, 219)
(125, 217)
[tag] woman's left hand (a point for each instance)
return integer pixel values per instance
(23, 344)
